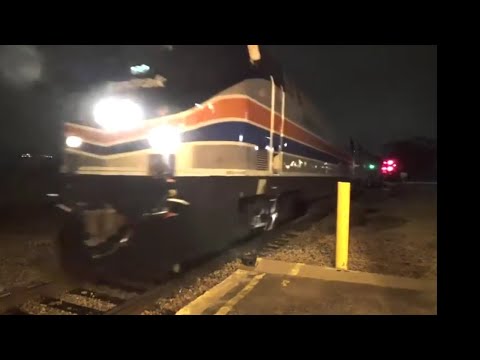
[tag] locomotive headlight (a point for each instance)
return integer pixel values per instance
(73, 141)
(114, 114)
(165, 139)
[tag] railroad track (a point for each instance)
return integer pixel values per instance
(105, 298)
(114, 296)
(111, 296)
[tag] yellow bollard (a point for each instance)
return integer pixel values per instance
(343, 225)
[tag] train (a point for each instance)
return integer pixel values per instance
(188, 148)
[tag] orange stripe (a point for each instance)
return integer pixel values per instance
(223, 108)
(242, 108)
(261, 116)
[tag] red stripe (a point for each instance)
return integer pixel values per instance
(242, 108)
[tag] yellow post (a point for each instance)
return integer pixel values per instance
(343, 225)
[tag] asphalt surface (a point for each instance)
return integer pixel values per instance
(314, 291)
(276, 294)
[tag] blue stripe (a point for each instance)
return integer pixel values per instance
(115, 149)
(225, 131)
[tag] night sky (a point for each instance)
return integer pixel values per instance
(372, 93)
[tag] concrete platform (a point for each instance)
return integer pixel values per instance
(280, 288)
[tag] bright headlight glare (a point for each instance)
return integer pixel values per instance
(73, 141)
(114, 114)
(165, 139)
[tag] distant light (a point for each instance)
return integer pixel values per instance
(139, 69)
(394, 165)
(390, 168)
(256, 147)
(285, 144)
(64, 208)
(240, 137)
(384, 168)
(390, 162)
(385, 162)
(200, 106)
(27, 155)
(268, 148)
(74, 141)
(52, 195)
(371, 166)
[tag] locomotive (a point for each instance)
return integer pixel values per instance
(197, 147)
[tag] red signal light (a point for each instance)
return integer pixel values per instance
(389, 166)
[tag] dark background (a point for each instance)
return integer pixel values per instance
(375, 93)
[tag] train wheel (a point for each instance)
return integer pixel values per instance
(81, 257)
(74, 257)
(259, 213)
(273, 214)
